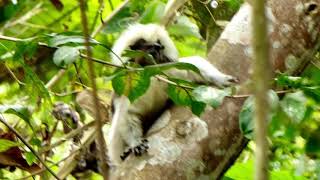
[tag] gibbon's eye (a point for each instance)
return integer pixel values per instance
(138, 45)
(158, 46)
(153, 48)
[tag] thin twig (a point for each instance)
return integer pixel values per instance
(170, 10)
(212, 17)
(54, 22)
(67, 93)
(78, 74)
(161, 78)
(107, 19)
(315, 64)
(72, 162)
(7, 38)
(166, 80)
(204, 2)
(66, 137)
(27, 144)
(54, 164)
(111, 5)
(100, 61)
(13, 75)
(101, 144)
(55, 79)
(98, 14)
(34, 11)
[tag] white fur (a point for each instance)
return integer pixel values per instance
(126, 128)
(151, 33)
(208, 71)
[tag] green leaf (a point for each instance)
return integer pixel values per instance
(292, 81)
(294, 106)
(132, 84)
(246, 114)
(233, 4)
(34, 85)
(65, 55)
(313, 144)
(246, 170)
(183, 96)
(18, 110)
(138, 54)
(312, 92)
(209, 95)
(30, 158)
(59, 40)
(153, 12)
(246, 118)
(35, 141)
(158, 68)
(184, 28)
(8, 11)
(25, 49)
(7, 144)
(180, 96)
(241, 171)
(197, 107)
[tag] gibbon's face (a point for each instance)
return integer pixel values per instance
(150, 38)
(154, 49)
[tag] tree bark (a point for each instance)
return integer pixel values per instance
(184, 147)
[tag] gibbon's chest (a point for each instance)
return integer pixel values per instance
(152, 104)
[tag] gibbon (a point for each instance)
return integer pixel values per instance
(131, 120)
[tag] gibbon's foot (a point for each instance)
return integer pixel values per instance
(138, 150)
(141, 148)
(126, 154)
(227, 80)
(233, 80)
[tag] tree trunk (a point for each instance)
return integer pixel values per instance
(184, 147)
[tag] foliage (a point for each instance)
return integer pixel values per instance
(293, 127)
(48, 37)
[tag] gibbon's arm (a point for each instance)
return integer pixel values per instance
(209, 73)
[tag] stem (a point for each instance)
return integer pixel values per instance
(107, 19)
(261, 77)
(101, 144)
(13, 75)
(100, 61)
(170, 10)
(55, 79)
(28, 145)
(54, 164)
(66, 137)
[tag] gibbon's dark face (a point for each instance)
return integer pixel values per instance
(155, 49)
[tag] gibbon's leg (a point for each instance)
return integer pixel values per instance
(116, 142)
(132, 134)
(209, 73)
(125, 134)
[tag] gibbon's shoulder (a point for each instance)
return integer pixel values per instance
(150, 33)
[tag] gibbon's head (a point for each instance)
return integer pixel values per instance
(150, 38)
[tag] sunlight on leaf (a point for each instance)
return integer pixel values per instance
(65, 55)
(209, 95)
(7, 144)
(18, 110)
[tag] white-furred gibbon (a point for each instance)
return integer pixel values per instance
(131, 120)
